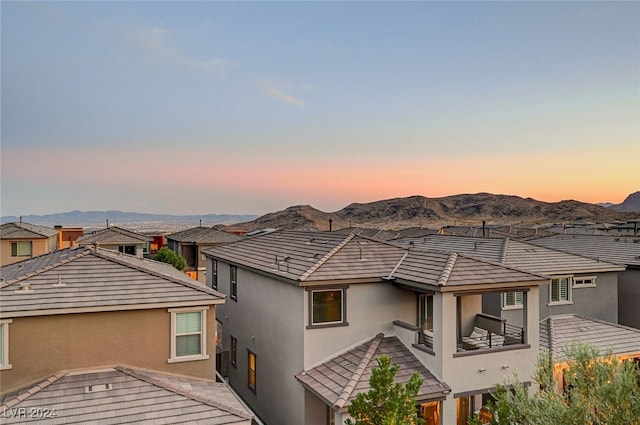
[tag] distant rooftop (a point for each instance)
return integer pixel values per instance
(21, 230)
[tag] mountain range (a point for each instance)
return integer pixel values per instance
(397, 213)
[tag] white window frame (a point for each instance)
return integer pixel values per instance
(569, 299)
(578, 282)
(4, 365)
(515, 305)
(203, 334)
(18, 243)
(343, 307)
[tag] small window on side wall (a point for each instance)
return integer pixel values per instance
(560, 290)
(512, 300)
(234, 351)
(21, 249)
(584, 282)
(252, 371)
(4, 344)
(234, 283)
(188, 334)
(214, 274)
(327, 307)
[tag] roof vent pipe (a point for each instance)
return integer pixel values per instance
(107, 223)
(331, 225)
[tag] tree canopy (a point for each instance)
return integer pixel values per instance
(386, 403)
(597, 390)
(166, 255)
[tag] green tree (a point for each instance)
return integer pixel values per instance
(386, 403)
(599, 390)
(166, 255)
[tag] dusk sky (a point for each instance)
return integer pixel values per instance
(251, 107)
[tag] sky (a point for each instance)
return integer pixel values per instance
(252, 107)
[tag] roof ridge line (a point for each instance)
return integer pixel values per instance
(503, 253)
(397, 265)
(32, 390)
(185, 393)
(83, 252)
(326, 257)
(448, 268)
(357, 374)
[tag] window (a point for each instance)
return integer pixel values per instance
(234, 283)
(21, 249)
(560, 290)
(234, 351)
(127, 249)
(584, 282)
(188, 334)
(426, 312)
(252, 371)
(327, 307)
(4, 344)
(512, 300)
(331, 416)
(214, 274)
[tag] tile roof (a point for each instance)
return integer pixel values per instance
(558, 332)
(339, 380)
(204, 235)
(311, 257)
(135, 396)
(615, 249)
(513, 253)
(113, 235)
(21, 230)
(99, 280)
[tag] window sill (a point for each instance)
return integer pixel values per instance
(512, 307)
(583, 286)
(188, 358)
(551, 304)
(5, 367)
(328, 325)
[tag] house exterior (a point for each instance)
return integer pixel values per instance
(575, 281)
(117, 239)
(87, 311)
(623, 250)
(191, 242)
(300, 303)
(21, 241)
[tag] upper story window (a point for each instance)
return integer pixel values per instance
(127, 249)
(512, 300)
(560, 290)
(214, 274)
(21, 249)
(327, 307)
(4, 344)
(584, 282)
(188, 334)
(234, 351)
(234, 282)
(252, 371)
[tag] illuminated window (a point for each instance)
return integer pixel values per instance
(21, 249)
(252, 371)
(188, 334)
(327, 307)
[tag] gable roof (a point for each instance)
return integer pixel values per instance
(339, 380)
(84, 279)
(615, 249)
(135, 395)
(204, 235)
(558, 332)
(113, 235)
(513, 253)
(21, 230)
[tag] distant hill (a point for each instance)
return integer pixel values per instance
(465, 209)
(631, 203)
(88, 218)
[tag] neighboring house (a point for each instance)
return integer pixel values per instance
(305, 307)
(117, 239)
(68, 236)
(623, 250)
(558, 333)
(87, 319)
(577, 284)
(191, 242)
(23, 240)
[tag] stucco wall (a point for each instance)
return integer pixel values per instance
(40, 346)
(38, 247)
(629, 298)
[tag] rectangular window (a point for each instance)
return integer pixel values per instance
(252, 381)
(560, 290)
(234, 283)
(512, 299)
(188, 334)
(4, 344)
(584, 282)
(234, 351)
(327, 307)
(21, 249)
(331, 416)
(214, 274)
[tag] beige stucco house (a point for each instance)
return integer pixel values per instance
(84, 311)
(114, 238)
(20, 241)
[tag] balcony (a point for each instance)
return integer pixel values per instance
(490, 332)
